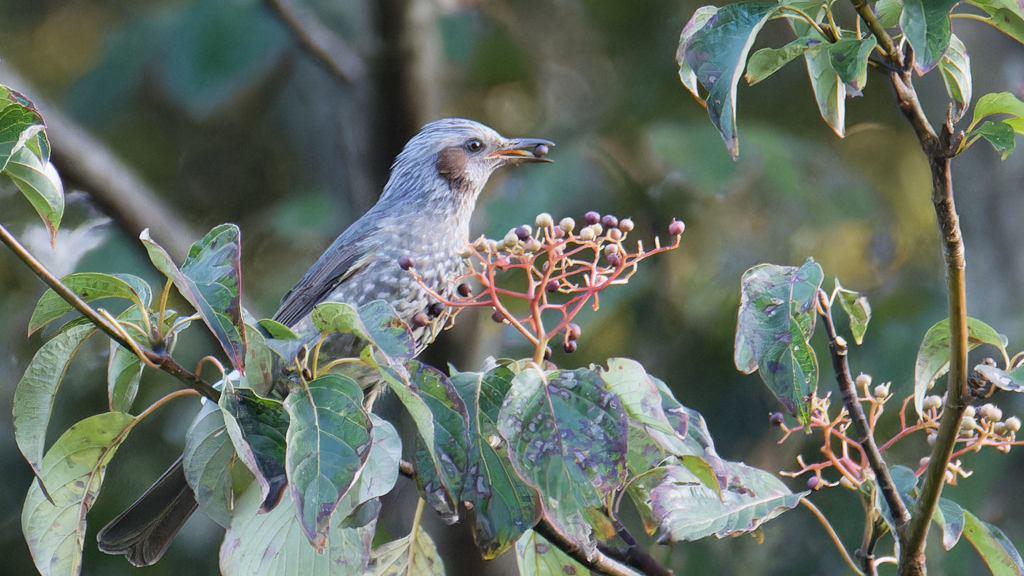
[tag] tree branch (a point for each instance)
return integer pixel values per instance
(848, 390)
(163, 360)
(320, 41)
(939, 153)
(601, 562)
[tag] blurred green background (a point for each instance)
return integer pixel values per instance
(217, 109)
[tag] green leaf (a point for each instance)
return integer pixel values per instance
(124, 371)
(829, 89)
(40, 184)
(950, 518)
(276, 330)
(258, 427)
(259, 361)
(379, 473)
(441, 482)
(999, 134)
(504, 506)
(925, 23)
(209, 461)
(688, 510)
(272, 543)
(933, 355)
(21, 125)
(994, 547)
(328, 441)
(776, 318)
(34, 396)
(1000, 103)
(1007, 381)
(640, 397)
(889, 12)
(955, 67)
(535, 556)
(72, 471)
(89, 286)
(375, 322)
(768, 61)
(713, 49)
(210, 279)
(1005, 15)
(567, 437)
(407, 556)
(857, 309)
(849, 58)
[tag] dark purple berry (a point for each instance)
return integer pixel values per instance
(615, 234)
(551, 286)
(676, 228)
(435, 309)
(405, 262)
(626, 225)
(420, 319)
(464, 290)
(813, 482)
(777, 419)
(609, 221)
(547, 353)
(540, 151)
(498, 316)
(614, 260)
(591, 217)
(559, 233)
(569, 346)
(573, 330)
(523, 232)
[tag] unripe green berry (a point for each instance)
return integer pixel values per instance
(932, 438)
(968, 424)
(999, 428)
(511, 239)
(1013, 424)
(847, 483)
(863, 380)
(587, 234)
(597, 228)
(544, 220)
(923, 463)
(931, 402)
(990, 413)
(567, 224)
(531, 245)
(969, 412)
(881, 391)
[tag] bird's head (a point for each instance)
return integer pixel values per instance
(448, 162)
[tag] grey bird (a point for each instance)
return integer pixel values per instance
(421, 219)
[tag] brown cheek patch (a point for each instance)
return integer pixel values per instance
(451, 165)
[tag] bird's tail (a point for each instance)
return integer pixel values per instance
(144, 531)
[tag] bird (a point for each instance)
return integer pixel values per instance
(421, 220)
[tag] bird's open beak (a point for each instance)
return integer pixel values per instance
(524, 150)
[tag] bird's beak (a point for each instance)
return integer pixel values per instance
(523, 150)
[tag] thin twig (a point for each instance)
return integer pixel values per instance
(832, 533)
(164, 361)
(848, 391)
(320, 41)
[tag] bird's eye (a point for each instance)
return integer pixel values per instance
(473, 145)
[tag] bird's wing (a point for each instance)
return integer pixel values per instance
(346, 256)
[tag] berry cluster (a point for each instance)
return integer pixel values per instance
(564, 268)
(981, 427)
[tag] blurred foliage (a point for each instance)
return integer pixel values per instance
(214, 104)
